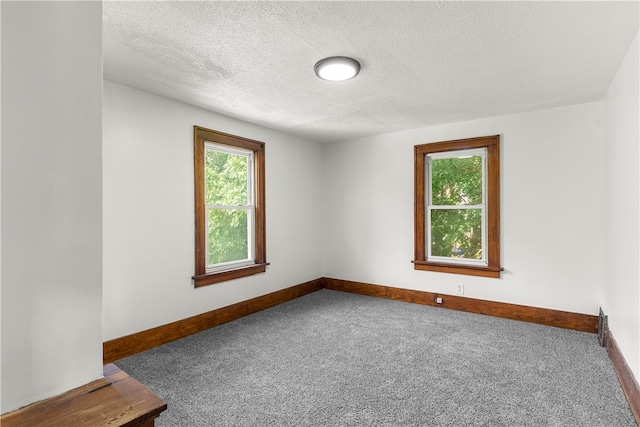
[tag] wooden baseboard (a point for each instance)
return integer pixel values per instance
(131, 344)
(135, 343)
(543, 316)
(115, 400)
(145, 340)
(625, 375)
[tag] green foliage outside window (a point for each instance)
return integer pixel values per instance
(226, 184)
(456, 232)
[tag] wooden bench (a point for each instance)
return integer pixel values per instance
(115, 400)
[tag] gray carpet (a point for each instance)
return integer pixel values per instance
(337, 359)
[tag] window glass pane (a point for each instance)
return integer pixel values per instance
(456, 233)
(228, 235)
(225, 178)
(456, 181)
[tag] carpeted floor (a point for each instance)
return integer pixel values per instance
(337, 359)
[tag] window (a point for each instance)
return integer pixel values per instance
(457, 206)
(229, 207)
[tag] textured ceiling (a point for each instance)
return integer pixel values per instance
(423, 63)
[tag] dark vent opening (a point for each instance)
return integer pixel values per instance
(603, 325)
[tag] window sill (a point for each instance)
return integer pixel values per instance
(224, 275)
(469, 270)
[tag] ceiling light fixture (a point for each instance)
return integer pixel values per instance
(337, 68)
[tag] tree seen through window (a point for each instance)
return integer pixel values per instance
(226, 197)
(456, 181)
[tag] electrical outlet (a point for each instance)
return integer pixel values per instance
(460, 289)
(438, 300)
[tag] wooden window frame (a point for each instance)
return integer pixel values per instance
(201, 276)
(421, 261)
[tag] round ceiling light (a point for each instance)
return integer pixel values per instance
(337, 68)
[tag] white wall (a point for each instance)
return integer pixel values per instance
(622, 155)
(149, 216)
(0, 214)
(551, 218)
(51, 198)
